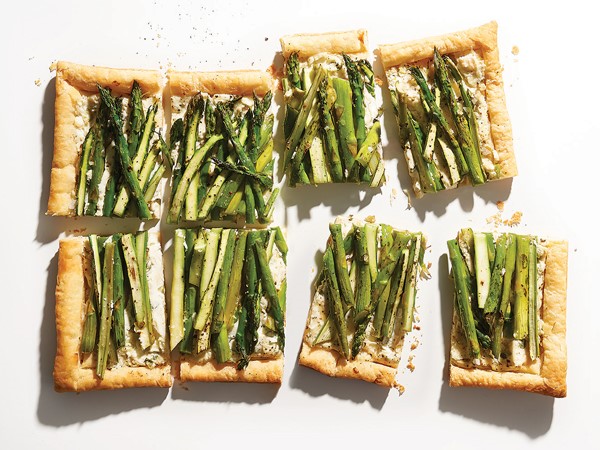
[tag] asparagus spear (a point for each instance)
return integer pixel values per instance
(235, 281)
(175, 139)
(193, 115)
(326, 98)
(218, 312)
(482, 268)
(133, 270)
(185, 185)
(431, 133)
(534, 339)
(428, 173)
(123, 152)
(189, 314)
(118, 296)
(208, 296)
(292, 70)
(396, 293)
(98, 166)
(371, 236)
(88, 144)
(495, 292)
(358, 107)
(262, 178)
(177, 289)
(90, 328)
(463, 303)
(341, 265)
(318, 161)
(335, 303)
(521, 313)
(141, 243)
(367, 71)
(241, 343)
(105, 309)
(363, 289)
(303, 115)
(345, 123)
(269, 288)
(437, 114)
(465, 139)
(252, 299)
(410, 289)
(507, 286)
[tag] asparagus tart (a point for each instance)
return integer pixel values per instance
(221, 141)
(508, 329)
(448, 97)
(109, 155)
(228, 304)
(111, 314)
(364, 301)
(331, 126)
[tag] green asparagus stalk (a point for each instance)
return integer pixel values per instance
(177, 289)
(345, 122)
(209, 293)
(371, 236)
(326, 98)
(341, 265)
(318, 161)
(367, 71)
(493, 299)
(153, 184)
(533, 332)
(235, 281)
(218, 312)
(410, 289)
(303, 147)
(439, 117)
(97, 279)
(507, 287)
(465, 139)
(136, 119)
(88, 144)
(97, 168)
(463, 303)
(137, 291)
(189, 314)
(365, 156)
(265, 180)
(241, 343)
(175, 139)
(141, 243)
(334, 301)
(396, 293)
(123, 152)
(482, 268)
(292, 70)
(428, 173)
(269, 288)
(185, 185)
(252, 298)
(521, 313)
(358, 107)
(118, 296)
(105, 309)
(363, 289)
(432, 131)
(90, 328)
(192, 119)
(267, 214)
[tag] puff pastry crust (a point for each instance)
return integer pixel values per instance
(73, 83)
(552, 377)
(242, 82)
(484, 39)
(69, 373)
(307, 45)
(257, 371)
(330, 362)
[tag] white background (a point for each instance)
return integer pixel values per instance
(552, 95)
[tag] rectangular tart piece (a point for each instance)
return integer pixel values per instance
(109, 156)
(364, 301)
(228, 304)
(448, 96)
(111, 314)
(221, 141)
(509, 322)
(331, 127)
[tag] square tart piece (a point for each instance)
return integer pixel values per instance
(221, 142)
(448, 97)
(227, 311)
(509, 322)
(332, 128)
(364, 302)
(108, 151)
(111, 328)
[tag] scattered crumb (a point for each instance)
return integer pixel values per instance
(414, 345)
(38, 82)
(370, 219)
(514, 220)
(416, 327)
(409, 202)
(410, 366)
(400, 388)
(496, 219)
(500, 205)
(515, 50)
(393, 195)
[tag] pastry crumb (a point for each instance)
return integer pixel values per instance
(400, 388)
(411, 366)
(515, 50)
(38, 82)
(514, 220)
(500, 205)
(408, 198)
(370, 219)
